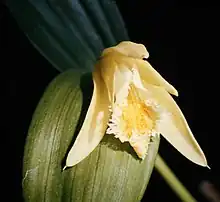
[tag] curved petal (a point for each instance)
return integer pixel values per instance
(115, 75)
(147, 73)
(127, 48)
(173, 126)
(107, 67)
(150, 75)
(94, 125)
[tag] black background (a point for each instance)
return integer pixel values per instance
(184, 47)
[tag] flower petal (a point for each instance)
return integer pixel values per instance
(122, 79)
(150, 75)
(94, 125)
(129, 49)
(115, 75)
(174, 127)
(147, 73)
(107, 67)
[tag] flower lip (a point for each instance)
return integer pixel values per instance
(133, 119)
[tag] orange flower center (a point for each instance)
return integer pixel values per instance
(136, 115)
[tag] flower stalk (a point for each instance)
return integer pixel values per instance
(172, 180)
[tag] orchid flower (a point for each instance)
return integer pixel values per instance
(132, 101)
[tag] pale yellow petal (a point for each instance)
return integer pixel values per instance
(129, 49)
(94, 125)
(147, 72)
(174, 127)
(150, 75)
(122, 79)
(131, 55)
(115, 75)
(107, 67)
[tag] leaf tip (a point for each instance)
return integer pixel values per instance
(64, 168)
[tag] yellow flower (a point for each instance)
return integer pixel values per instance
(132, 101)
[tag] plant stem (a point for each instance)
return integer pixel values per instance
(172, 180)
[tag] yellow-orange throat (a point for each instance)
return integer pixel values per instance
(133, 121)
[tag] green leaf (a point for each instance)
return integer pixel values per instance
(112, 172)
(70, 34)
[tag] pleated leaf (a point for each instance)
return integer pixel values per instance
(112, 172)
(70, 34)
